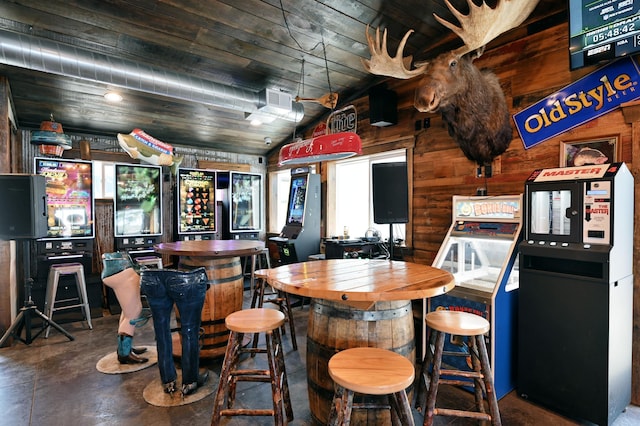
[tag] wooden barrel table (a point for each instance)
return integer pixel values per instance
(356, 302)
(221, 259)
(334, 326)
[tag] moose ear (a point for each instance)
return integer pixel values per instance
(475, 54)
(420, 64)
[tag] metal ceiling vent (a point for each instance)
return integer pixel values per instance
(274, 101)
(26, 51)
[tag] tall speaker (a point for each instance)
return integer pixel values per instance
(390, 193)
(24, 211)
(383, 106)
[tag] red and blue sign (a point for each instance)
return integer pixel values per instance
(590, 97)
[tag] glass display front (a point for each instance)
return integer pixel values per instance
(478, 263)
(246, 202)
(297, 197)
(69, 197)
(196, 201)
(138, 200)
(548, 212)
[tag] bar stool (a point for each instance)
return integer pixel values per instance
(55, 272)
(149, 261)
(370, 371)
(473, 328)
(258, 320)
(277, 297)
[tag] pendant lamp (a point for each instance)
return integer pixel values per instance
(336, 146)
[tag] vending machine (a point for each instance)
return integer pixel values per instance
(480, 250)
(300, 236)
(575, 316)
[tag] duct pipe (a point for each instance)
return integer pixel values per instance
(34, 53)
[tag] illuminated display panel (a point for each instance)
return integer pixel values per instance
(138, 200)
(246, 202)
(297, 198)
(69, 197)
(196, 201)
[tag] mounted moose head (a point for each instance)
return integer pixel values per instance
(471, 101)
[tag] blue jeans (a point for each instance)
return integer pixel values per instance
(163, 288)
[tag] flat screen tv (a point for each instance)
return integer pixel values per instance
(297, 199)
(196, 201)
(138, 200)
(69, 197)
(602, 30)
(245, 202)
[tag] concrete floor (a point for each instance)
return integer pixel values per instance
(54, 382)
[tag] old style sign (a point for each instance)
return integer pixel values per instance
(343, 120)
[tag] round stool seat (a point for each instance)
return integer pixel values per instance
(458, 323)
(371, 371)
(255, 320)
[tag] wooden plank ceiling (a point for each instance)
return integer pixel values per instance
(247, 45)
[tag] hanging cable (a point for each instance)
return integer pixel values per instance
(326, 67)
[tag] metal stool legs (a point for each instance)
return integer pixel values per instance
(55, 272)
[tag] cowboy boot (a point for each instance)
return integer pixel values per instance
(125, 352)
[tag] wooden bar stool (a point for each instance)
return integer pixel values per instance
(370, 371)
(473, 328)
(258, 320)
(277, 297)
(55, 272)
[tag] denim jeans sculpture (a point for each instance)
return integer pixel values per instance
(185, 289)
(120, 274)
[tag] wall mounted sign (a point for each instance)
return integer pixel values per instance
(590, 97)
(343, 120)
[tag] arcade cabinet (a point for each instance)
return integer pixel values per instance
(480, 251)
(138, 208)
(300, 236)
(70, 232)
(576, 291)
(196, 203)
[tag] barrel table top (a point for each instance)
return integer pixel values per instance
(359, 282)
(211, 248)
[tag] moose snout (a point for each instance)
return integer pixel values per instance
(427, 99)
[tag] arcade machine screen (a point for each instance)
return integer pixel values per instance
(297, 197)
(138, 200)
(69, 197)
(196, 201)
(246, 202)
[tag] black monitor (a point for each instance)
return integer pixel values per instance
(245, 196)
(600, 31)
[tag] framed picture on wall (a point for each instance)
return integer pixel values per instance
(596, 151)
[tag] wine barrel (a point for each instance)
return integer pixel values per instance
(224, 296)
(334, 326)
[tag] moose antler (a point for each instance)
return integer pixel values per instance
(383, 64)
(484, 24)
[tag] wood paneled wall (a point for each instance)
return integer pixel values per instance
(529, 69)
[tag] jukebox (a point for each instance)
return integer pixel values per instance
(480, 250)
(575, 315)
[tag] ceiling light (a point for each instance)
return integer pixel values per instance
(112, 97)
(336, 146)
(257, 118)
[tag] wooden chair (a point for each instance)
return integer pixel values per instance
(473, 328)
(370, 371)
(258, 320)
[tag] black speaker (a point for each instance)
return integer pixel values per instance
(23, 211)
(390, 193)
(383, 106)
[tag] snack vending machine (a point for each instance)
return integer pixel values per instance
(480, 250)
(575, 318)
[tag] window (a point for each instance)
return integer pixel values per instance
(104, 179)
(350, 200)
